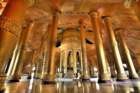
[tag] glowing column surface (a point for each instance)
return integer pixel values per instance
(121, 75)
(12, 74)
(125, 51)
(84, 52)
(65, 61)
(11, 21)
(51, 49)
(71, 47)
(104, 73)
(74, 62)
(61, 64)
(45, 53)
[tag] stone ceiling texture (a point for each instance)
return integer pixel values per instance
(73, 10)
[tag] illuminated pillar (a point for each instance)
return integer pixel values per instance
(81, 62)
(18, 51)
(65, 61)
(104, 73)
(61, 63)
(132, 72)
(121, 75)
(74, 61)
(10, 26)
(45, 52)
(51, 46)
(84, 52)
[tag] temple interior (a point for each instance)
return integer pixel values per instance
(69, 46)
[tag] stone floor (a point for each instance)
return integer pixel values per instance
(35, 86)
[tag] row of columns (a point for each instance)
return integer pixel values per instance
(11, 25)
(104, 73)
(70, 57)
(104, 70)
(11, 22)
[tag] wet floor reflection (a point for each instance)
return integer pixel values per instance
(74, 87)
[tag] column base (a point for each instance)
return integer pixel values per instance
(86, 77)
(104, 78)
(49, 80)
(12, 79)
(104, 81)
(60, 75)
(134, 76)
(122, 77)
(85, 80)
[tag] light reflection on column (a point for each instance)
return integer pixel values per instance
(106, 88)
(122, 87)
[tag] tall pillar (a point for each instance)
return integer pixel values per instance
(10, 25)
(132, 72)
(121, 75)
(51, 48)
(61, 63)
(74, 61)
(45, 52)
(104, 73)
(12, 74)
(65, 62)
(81, 62)
(84, 52)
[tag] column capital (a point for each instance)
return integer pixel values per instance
(93, 13)
(106, 17)
(119, 29)
(56, 12)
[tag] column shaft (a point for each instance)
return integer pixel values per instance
(51, 55)
(45, 51)
(121, 75)
(61, 63)
(74, 62)
(84, 52)
(18, 51)
(65, 62)
(132, 72)
(81, 62)
(104, 73)
(10, 26)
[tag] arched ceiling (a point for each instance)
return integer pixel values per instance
(72, 10)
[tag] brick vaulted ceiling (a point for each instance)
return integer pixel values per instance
(73, 10)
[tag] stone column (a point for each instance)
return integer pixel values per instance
(65, 61)
(104, 73)
(10, 26)
(45, 52)
(84, 52)
(61, 64)
(12, 74)
(80, 56)
(121, 75)
(132, 72)
(51, 48)
(74, 62)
